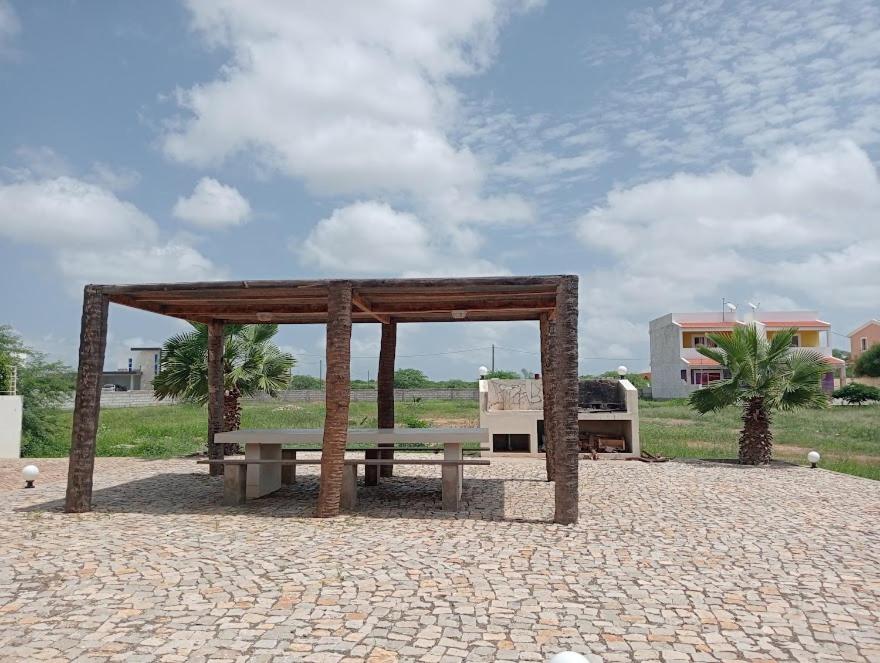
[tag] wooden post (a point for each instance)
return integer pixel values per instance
(216, 388)
(87, 406)
(338, 393)
(385, 389)
(565, 395)
(548, 382)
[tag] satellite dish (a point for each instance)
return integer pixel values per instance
(731, 306)
(754, 307)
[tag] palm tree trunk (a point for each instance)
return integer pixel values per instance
(755, 440)
(337, 397)
(231, 417)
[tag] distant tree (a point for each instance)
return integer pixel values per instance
(856, 393)
(841, 354)
(305, 382)
(456, 384)
(503, 375)
(765, 375)
(252, 363)
(43, 385)
(868, 363)
(636, 380)
(363, 384)
(410, 378)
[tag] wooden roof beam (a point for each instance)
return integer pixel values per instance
(364, 306)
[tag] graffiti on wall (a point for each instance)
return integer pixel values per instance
(514, 395)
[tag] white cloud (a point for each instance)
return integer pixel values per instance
(70, 212)
(160, 263)
(213, 205)
(95, 237)
(367, 237)
(371, 237)
(801, 226)
(348, 96)
(714, 80)
(113, 177)
(9, 27)
(352, 98)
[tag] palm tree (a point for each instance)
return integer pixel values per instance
(252, 363)
(765, 375)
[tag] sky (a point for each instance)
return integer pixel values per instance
(671, 154)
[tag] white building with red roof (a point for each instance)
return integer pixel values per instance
(677, 367)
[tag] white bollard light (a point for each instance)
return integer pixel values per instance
(814, 458)
(30, 474)
(568, 657)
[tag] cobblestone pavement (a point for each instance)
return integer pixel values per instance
(670, 562)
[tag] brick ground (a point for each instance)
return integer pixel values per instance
(670, 562)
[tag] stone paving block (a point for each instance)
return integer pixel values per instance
(683, 561)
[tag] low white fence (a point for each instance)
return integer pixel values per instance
(117, 399)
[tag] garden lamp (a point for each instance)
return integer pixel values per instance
(30, 474)
(622, 371)
(813, 457)
(568, 657)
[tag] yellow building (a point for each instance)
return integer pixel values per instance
(677, 367)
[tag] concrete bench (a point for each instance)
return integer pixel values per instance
(235, 475)
(288, 471)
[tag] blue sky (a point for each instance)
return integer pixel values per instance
(671, 154)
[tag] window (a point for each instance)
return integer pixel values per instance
(704, 340)
(684, 374)
(796, 341)
(864, 343)
(155, 364)
(130, 364)
(704, 376)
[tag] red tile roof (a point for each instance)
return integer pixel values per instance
(780, 324)
(706, 325)
(701, 361)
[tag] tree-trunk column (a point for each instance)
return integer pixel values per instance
(87, 406)
(385, 388)
(548, 383)
(337, 394)
(216, 387)
(565, 395)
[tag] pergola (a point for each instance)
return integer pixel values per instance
(551, 300)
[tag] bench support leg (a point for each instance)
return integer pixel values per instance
(288, 472)
(348, 498)
(234, 485)
(371, 472)
(451, 487)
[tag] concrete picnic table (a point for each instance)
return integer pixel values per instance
(266, 444)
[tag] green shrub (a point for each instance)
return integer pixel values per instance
(868, 363)
(856, 393)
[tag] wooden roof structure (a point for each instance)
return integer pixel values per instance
(338, 303)
(373, 300)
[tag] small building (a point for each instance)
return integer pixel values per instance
(608, 416)
(862, 338)
(143, 365)
(677, 367)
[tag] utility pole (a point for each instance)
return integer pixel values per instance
(493, 357)
(321, 371)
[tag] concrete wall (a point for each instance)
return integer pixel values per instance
(117, 399)
(10, 426)
(666, 362)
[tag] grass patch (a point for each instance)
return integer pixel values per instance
(848, 437)
(165, 431)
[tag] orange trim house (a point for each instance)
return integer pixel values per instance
(677, 367)
(862, 338)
